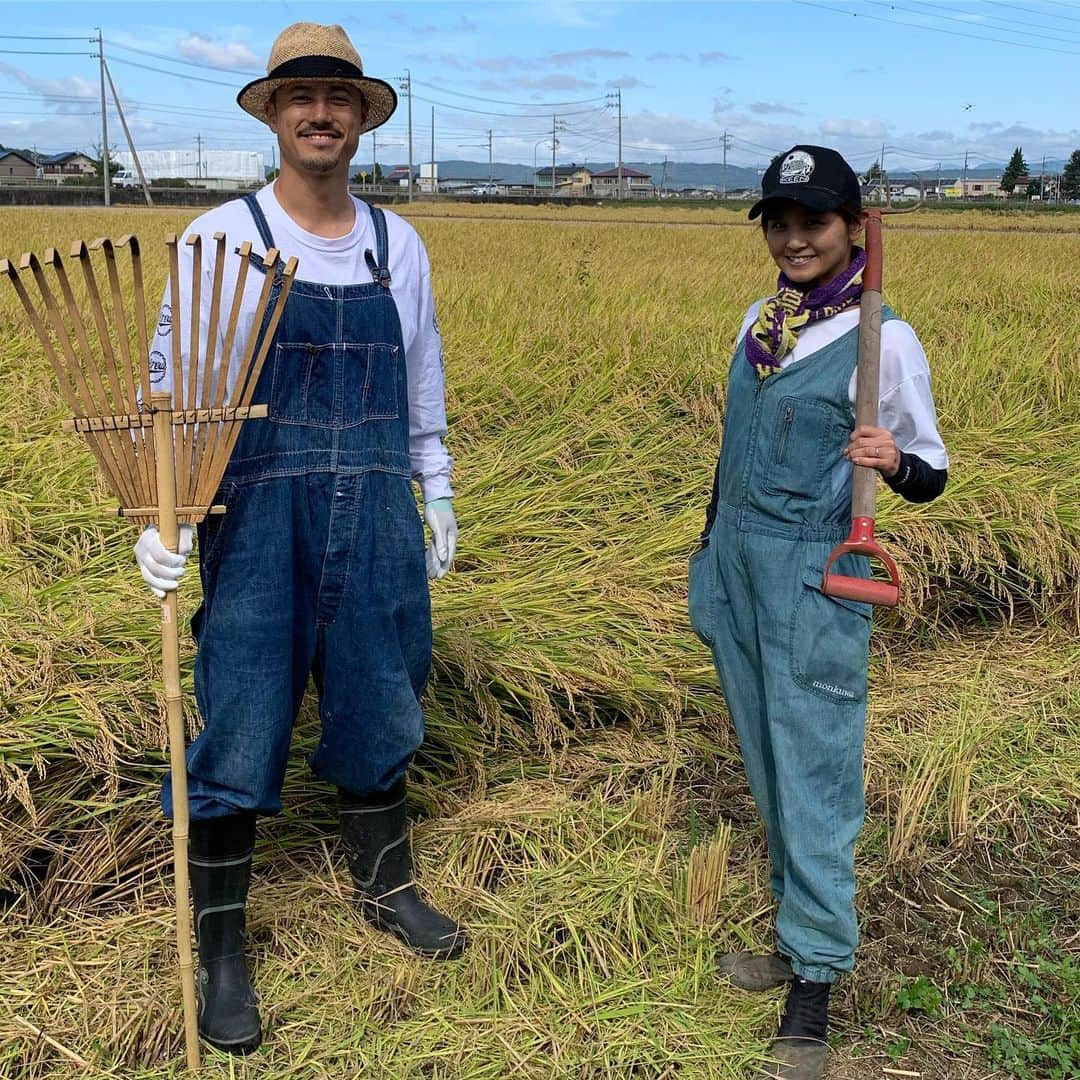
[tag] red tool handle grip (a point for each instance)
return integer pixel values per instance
(867, 590)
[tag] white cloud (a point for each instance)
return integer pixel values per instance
(857, 127)
(766, 108)
(233, 55)
(583, 56)
(714, 57)
(628, 82)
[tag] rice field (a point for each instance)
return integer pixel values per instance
(582, 807)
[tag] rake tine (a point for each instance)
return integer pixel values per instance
(80, 251)
(63, 377)
(140, 435)
(208, 484)
(244, 388)
(244, 385)
(123, 483)
(187, 464)
(99, 405)
(210, 369)
(264, 347)
(177, 380)
(132, 244)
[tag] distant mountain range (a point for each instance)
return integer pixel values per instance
(691, 174)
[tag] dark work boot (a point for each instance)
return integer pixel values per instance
(750, 971)
(219, 859)
(799, 1050)
(375, 835)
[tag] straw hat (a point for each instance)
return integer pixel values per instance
(312, 51)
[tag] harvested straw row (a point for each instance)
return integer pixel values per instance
(585, 425)
(595, 917)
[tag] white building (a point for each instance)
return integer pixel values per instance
(240, 166)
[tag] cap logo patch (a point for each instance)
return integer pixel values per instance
(796, 168)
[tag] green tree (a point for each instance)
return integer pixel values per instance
(1016, 168)
(1034, 188)
(1070, 177)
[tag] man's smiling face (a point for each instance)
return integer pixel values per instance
(317, 124)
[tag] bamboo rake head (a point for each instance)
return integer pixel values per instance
(90, 316)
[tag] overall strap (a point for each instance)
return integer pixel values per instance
(379, 264)
(261, 223)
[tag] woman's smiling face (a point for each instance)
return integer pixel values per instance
(810, 246)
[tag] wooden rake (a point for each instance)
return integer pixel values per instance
(163, 458)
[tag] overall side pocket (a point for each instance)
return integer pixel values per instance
(701, 593)
(830, 638)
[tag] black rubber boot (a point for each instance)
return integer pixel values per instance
(219, 858)
(375, 835)
(799, 1051)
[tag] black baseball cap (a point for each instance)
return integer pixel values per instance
(814, 176)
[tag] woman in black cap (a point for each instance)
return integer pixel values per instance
(793, 662)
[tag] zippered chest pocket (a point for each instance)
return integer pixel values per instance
(803, 443)
(336, 385)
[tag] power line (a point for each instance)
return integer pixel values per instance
(43, 52)
(175, 74)
(484, 112)
(1048, 14)
(178, 60)
(936, 29)
(44, 37)
(967, 22)
(497, 101)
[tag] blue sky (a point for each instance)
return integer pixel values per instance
(929, 80)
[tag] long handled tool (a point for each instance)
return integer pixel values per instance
(864, 484)
(163, 457)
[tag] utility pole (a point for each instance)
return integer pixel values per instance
(618, 107)
(554, 142)
(725, 163)
(198, 156)
(883, 179)
(1042, 174)
(491, 173)
(434, 185)
(130, 141)
(407, 87)
(963, 182)
(663, 178)
(104, 122)
(374, 160)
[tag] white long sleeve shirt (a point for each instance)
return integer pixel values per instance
(338, 261)
(905, 403)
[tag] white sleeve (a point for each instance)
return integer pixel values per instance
(906, 405)
(431, 463)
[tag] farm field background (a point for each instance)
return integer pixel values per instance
(583, 806)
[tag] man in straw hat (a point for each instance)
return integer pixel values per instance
(319, 565)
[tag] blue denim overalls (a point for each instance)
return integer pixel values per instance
(792, 662)
(318, 565)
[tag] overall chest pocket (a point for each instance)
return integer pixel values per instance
(337, 385)
(804, 431)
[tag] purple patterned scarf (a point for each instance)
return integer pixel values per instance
(776, 331)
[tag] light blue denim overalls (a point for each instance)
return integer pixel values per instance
(792, 662)
(318, 565)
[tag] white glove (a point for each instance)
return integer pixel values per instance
(162, 569)
(439, 515)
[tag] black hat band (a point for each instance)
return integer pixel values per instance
(316, 67)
